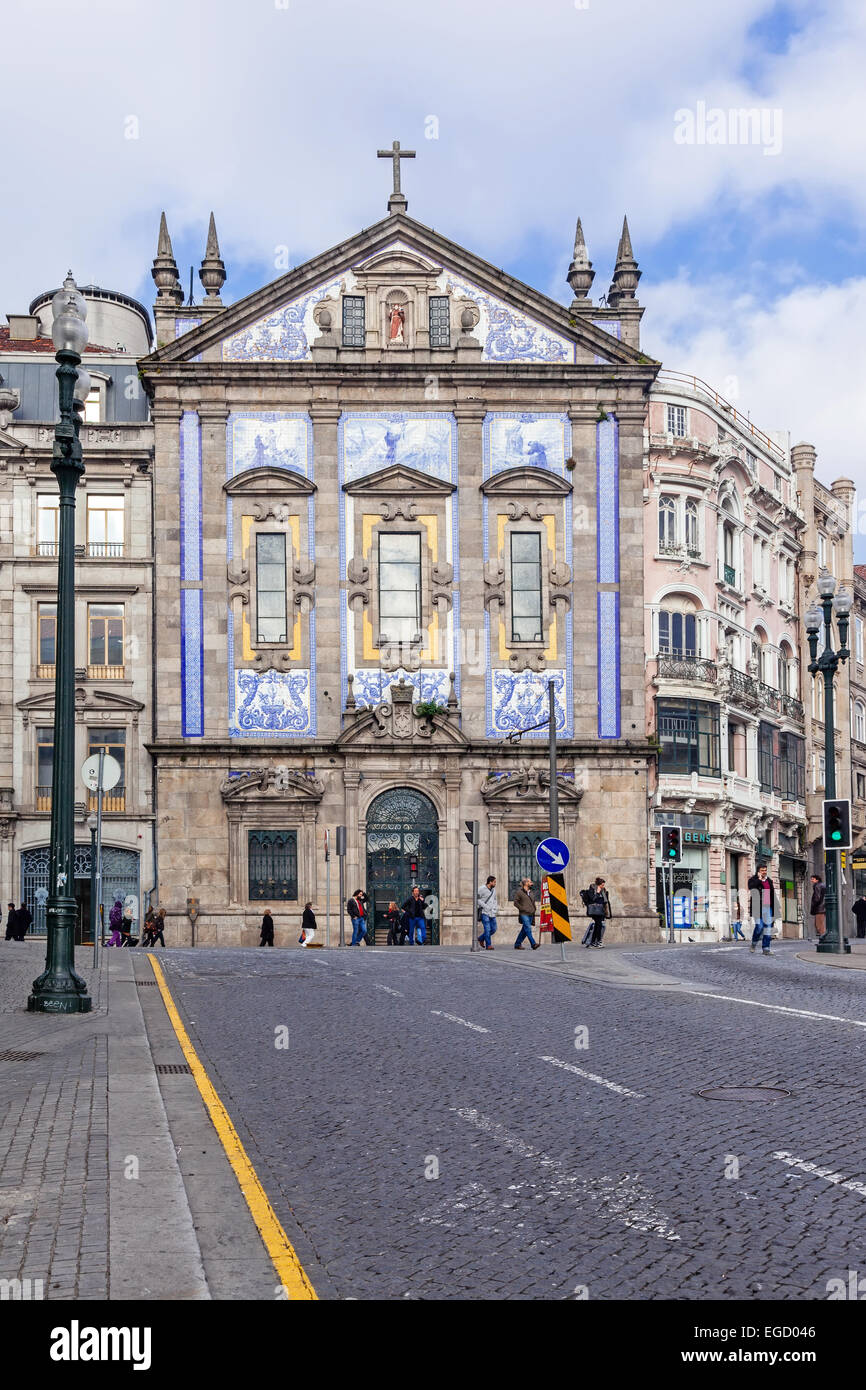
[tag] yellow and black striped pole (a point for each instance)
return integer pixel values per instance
(559, 907)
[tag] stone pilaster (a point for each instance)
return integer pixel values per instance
(330, 583)
(470, 635)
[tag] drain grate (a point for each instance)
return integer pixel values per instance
(141, 983)
(764, 1093)
(12, 1056)
(173, 1069)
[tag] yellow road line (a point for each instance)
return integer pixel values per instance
(279, 1247)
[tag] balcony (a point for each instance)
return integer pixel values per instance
(743, 690)
(44, 671)
(686, 668)
(105, 673)
(43, 797)
(115, 800)
(729, 574)
(793, 708)
(105, 550)
(673, 551)
(46, 548)
(770, 698)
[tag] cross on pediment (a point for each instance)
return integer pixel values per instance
(397, 202)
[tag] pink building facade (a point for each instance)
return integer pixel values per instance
(723, 543)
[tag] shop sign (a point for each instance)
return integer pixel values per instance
(697, 837)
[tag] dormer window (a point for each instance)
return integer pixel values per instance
(354, 325)
(440, 321)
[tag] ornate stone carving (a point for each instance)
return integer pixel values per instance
(494, 583)
(528, 783)
(272, 783)
(559, 577)
(442, 576)
(358, 572)
(533, 510)
(526, 661)
(391, 510)
(402, 721)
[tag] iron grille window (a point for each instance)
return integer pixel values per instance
(769, 774)
(526, 623)
(271, 587)
(677, 634)
(521, 859)
(399, 586)
(354, 326)
(273, 865)
(689, 737)
(677, 420)
(792, 764)
(440, 321)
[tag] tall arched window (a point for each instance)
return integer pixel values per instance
(785, 671)
(667, 523)
(692, 541)
(860, 721)
(818, 698)
(678, 629)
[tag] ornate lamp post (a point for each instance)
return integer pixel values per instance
(819, 616)
(58, 990)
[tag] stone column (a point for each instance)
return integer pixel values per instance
(452, 891)
(469, 581)
(330, 582)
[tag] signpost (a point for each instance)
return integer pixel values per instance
(100, 773)
(328, 889)
(552, 857)
(341, 855)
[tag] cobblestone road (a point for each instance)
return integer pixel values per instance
(432, 1129)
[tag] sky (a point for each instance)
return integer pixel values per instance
(524, 116)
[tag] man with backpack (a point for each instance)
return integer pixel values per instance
(596, 900)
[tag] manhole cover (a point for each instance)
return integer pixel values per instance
(172, 1069)
(20, 1056)
(743, 1093)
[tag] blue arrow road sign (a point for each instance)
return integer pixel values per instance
(552, 855)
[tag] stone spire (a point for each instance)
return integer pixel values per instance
(213, 271)
(164, 270)
(580, 272)
(625, 273)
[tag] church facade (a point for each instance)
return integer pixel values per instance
(397, 494)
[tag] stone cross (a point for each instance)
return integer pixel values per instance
(397, 202)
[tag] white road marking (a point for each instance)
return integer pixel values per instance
(826, 1173)
(389, 990)
(592, 1076)
(715, 949)
(476, 1027)
(777, 1008)
(622, 1199)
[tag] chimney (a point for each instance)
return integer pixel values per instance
(23, 328)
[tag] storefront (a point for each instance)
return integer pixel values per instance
(792, 877)
(691, 877)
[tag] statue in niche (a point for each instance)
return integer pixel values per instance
(398, 318)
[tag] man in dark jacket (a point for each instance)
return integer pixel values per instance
(267, 929)
(763, 908)
(11, 923)
(413, 908)
(817, 907)
(23, 919)
(526, 910)
(859, 910)
(357, 910)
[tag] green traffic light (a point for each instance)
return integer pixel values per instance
(836, 835)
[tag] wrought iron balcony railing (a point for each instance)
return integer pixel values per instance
(730, 575)
(686, 668)
(793, 708)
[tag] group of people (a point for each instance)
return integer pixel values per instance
(595, 899)
(762, 905)
(407, 925)
(121, 924)
(18, 921)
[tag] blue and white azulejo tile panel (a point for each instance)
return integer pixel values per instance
(370, 442)
(608, 664)
(269, 439)
(608, 572)
(192, 662)
(283, 336)
(527, 439)
(190, 496)
(270, 704)
(611, 326)
(373, 687)
(519, 699)
(507, 334)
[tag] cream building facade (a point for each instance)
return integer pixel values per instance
(397, 493)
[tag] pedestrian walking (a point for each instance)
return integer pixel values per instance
(115, 921)
(487, 908)
(267, 929)
(737, 924)
(859, 910)
(526, 910)
(11, 922)
(308, 925)
(357, 910)
(597, 902)
(763, 906)
(817, 905)
(158, 928)
(413, 907)
(393, 921)
(126, 937)
(23, 920)
(147, 931)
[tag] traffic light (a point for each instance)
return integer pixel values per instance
(837, 824)
(473, 831)
(413, 867)
(672, 849)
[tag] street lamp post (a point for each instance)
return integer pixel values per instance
(58, 990)
(819, 616)
(92, 824)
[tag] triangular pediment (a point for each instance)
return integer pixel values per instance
(8, 441)
(84, 699)
(516, 482)
(517, 324)
(398, 480)
(257, 482)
